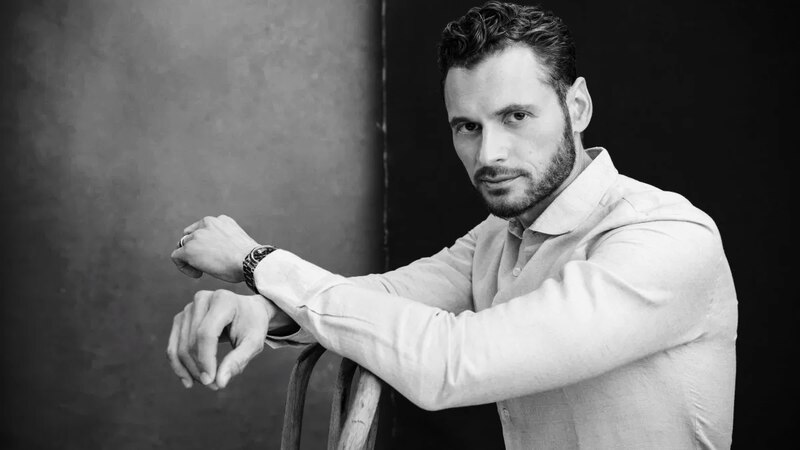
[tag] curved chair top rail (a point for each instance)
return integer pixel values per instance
(354, 408)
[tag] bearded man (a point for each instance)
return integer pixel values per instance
(596, 311)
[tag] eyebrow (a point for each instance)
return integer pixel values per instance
(508, 109)
(512, 108)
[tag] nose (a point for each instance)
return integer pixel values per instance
(494, 148)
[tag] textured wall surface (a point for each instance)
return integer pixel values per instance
(122, 122)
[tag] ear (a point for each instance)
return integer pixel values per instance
(579, 103)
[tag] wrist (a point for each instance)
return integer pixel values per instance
(251, 261)
(239, 259)
(279, 322)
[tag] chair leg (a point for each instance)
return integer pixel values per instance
(360, 426)
(373, 429)
(339, 404)
(296, 396)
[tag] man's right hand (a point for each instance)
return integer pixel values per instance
(213, 245)
(196, 331)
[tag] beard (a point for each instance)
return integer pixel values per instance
(506, 206)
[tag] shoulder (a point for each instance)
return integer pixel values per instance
(636, 201)
(633, 206)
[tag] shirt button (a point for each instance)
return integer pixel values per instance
(516, 271)
(506, 414)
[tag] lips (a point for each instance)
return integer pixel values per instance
(497, 177)
(498, 182)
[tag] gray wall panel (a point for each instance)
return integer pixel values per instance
(123, 122)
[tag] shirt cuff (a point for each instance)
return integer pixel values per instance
(290, 282)
(299, 338)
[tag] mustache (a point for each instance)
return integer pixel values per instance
(497, 172)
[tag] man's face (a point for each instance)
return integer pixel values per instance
(509, 130)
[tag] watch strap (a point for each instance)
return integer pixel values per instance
(251, 261)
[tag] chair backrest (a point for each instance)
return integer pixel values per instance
(354, 408)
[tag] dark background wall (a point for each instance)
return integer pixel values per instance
(694, 97)
(122, 122)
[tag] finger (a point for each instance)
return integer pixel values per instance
(184, 343)
(227, 219)
(234, 362)
(199, 309)
(220, 315)
(172, 353)
(205, 222)
(178, 257)
(193, 226)
(184, 239)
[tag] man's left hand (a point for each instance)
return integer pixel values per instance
(197, 330)
(213, 245)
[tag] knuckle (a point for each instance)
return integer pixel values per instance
(204, 334)
(199, 295)
(225, 299)
(201, 301)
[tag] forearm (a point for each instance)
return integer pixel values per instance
(443, 280)
(351, 337)
(284, 330)
(433, 357)
(425, 281)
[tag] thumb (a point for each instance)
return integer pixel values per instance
(234, 362)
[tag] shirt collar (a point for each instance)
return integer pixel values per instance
(577, 200)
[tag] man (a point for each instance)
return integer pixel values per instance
(595, 310)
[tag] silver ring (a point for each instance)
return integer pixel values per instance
(181, 243)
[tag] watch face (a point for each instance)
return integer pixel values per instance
(262, 251)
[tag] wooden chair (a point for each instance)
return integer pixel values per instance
(354, 408)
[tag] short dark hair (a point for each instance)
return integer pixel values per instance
(490, 28)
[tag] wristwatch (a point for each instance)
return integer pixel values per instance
(251, 261)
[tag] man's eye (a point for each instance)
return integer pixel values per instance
(517, 116)
(468, 128)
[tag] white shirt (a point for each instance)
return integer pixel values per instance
(609, 323)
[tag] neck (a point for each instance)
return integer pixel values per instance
(582, 160)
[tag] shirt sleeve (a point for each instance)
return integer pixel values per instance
(443, 280)
(642, 289)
